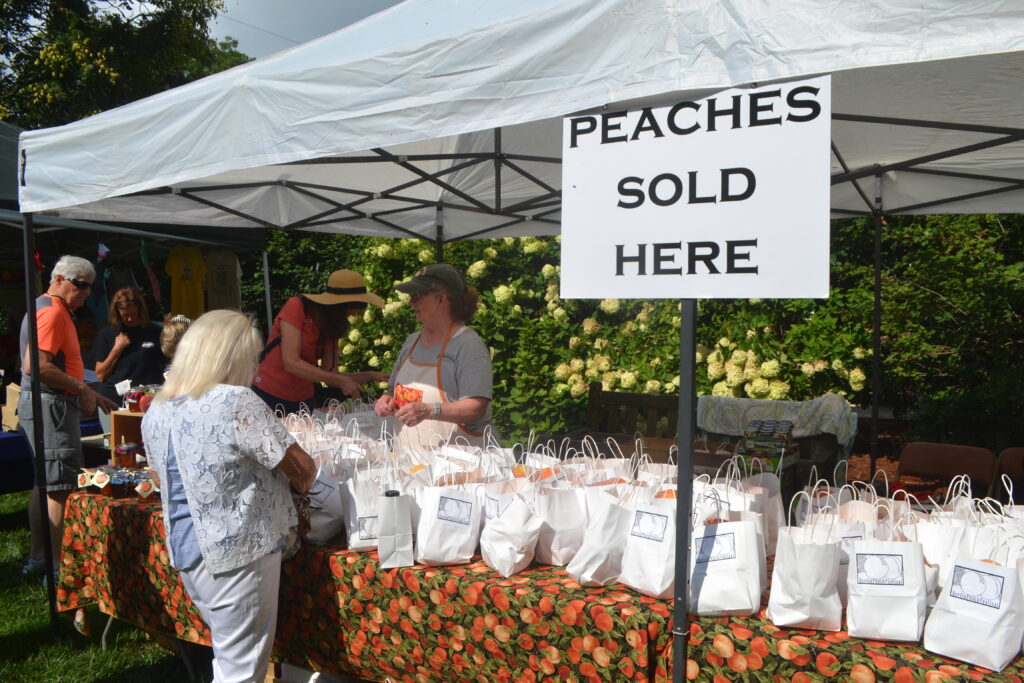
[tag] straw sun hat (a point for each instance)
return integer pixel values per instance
(345, 286)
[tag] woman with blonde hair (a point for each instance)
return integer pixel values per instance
(129, 348)
(225, 463)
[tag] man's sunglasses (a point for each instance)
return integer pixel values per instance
(79, 284)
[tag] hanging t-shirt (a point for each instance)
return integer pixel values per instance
(223, 276)
(187, 270)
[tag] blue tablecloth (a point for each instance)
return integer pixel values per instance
(16, 472)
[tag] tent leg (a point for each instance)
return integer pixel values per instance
(439, 239)
(684, 495)
(266, 292)
(37, 425)
(876, 325)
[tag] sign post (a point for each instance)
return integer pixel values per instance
(722, 197)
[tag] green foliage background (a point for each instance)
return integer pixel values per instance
(952, 329)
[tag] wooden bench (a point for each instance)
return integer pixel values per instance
(625, 412)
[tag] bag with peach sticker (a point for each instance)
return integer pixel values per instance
(979, 616)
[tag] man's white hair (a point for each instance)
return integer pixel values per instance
(73, 268)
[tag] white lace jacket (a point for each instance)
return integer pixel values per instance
(227, 444)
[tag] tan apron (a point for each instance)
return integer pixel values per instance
(422, 382)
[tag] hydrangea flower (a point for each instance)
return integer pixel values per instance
(574, 342)
(576, 364)
(392, 308)
(354, 335)
(770, 368)
(590, 326)
(426, 256)
(759, 388)
(373, 362)
(716, 369)
(369, 314)
(503, 294)
(652, 386)
(348, 350)
(608, 380)
(548, 270)
(857, 379)
(778, 390)
(562, 371)
(384, 250)
(477, 269)
(628, 379)
(491, 252)
(610, 306)
(721, 389)
(578, 389)
(559, 314)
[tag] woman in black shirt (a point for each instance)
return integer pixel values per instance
(130, 347)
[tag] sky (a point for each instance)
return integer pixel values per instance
(263, 27)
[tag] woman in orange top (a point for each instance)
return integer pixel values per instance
(303, 344)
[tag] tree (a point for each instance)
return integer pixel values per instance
(64, 60)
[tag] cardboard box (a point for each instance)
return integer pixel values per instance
(10, 419)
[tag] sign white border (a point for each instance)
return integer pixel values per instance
(721, 197)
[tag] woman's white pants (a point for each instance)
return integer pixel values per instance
(240, 607)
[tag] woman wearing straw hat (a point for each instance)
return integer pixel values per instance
(303, 344)
(442, 385)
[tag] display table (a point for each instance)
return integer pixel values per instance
(340, 613)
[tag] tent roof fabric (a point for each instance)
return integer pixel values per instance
(443, 117)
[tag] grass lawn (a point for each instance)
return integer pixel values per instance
(28, 649)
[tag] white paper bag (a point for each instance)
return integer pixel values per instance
(564, 514)
(326, 512)
(508, 540)
(979, 616)
(449, 525)
(725, 574)
(773, 512)
(598, 562)
(394, 530)
(804, 591)
(888, 592)
(649, 557)
(359, 498)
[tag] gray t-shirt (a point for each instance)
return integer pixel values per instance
(465, 369)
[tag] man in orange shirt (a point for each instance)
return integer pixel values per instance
(64, 397)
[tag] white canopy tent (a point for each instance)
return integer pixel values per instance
(436, 104)
(441, 119)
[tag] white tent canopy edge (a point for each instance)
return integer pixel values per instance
(434, 104)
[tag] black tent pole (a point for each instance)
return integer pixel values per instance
(37, 410)
(439, 241)
(684, 493)
(266, 292)
(876, 324)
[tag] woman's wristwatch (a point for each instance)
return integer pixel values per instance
(437, 411)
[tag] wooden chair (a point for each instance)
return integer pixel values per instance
(943, 461)
(1011, 463)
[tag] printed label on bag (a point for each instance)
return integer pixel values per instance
(976, 586)
(716, 548)
(368, 528)
(879, 569)
(846, 547)
(454, 510)
(495, 507)
(649, 525)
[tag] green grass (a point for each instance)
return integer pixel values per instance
(30, 651)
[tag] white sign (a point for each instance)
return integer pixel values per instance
(723, 197)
